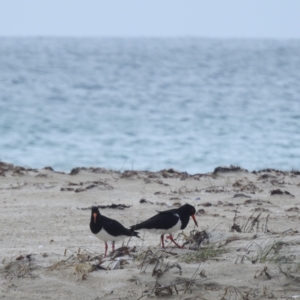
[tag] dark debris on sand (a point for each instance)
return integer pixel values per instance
(114, 206)
(76, 171)
(196, 239)
(229, 169)
(16, 170)
(280, 192)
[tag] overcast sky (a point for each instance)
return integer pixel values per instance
(204, 18)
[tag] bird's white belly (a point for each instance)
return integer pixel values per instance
(175, 228)
(104, 236)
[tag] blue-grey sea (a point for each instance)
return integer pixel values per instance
(191, 104)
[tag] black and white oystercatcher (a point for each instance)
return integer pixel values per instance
(168, 221)
(107, 229)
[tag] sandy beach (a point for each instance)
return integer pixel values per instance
(246, 245)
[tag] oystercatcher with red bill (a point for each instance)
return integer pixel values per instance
(168, 221)
(107, 229)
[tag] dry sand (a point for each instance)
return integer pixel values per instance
(48, 252)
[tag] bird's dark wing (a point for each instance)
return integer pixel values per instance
(161, 221)
(114, 227)
(170, 211)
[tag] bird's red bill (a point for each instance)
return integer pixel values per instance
(194, 218)
(95, 217)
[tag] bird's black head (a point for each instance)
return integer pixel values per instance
(95, 214)
(189, 210)
(95, 223)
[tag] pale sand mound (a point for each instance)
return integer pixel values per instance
(249, 250)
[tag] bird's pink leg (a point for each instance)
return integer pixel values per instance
(162, 240)
(171, 238)
(105, 249)
(113, 246)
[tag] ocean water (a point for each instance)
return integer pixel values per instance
(190, 104)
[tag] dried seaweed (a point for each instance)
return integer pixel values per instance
(113, 206)
(179, 287)
(265, 273)
(196, 239)
(88, 185)
(76, 171)
(228, 169)
(280, 192)
(235, 227)
(122, 251)
(145, 201)
(148, 258)
(23, 266)
(234, 293)
(128, 174)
